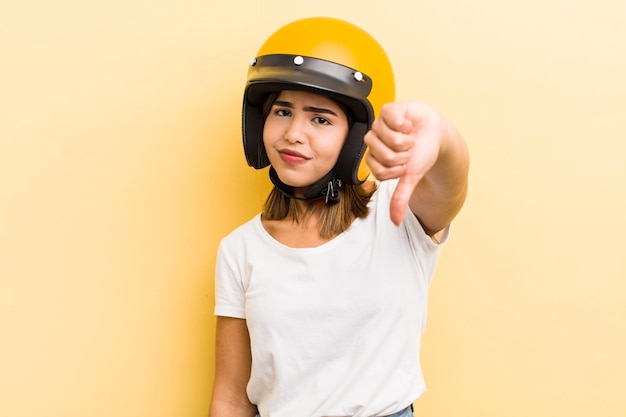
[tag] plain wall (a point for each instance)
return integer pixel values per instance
(121, 168)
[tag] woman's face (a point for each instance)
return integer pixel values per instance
(303, 135)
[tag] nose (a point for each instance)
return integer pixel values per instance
(295, 132)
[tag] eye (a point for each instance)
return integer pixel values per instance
(321, 120)
(282, 112)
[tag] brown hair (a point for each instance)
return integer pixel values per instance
(334, 218)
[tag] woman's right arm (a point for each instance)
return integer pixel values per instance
(233, 361)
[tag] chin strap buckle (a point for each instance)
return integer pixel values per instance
(332, 190)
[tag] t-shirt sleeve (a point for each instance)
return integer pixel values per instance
(422, 244)
(229, 291)
(425, 251)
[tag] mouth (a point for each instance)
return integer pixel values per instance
(292, 157)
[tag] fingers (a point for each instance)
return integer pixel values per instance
(403, 143)
(393, 128)
(383, 172)
(390, 144)
(383, 161)
(395, 116)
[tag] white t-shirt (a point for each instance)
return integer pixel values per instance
(335, 330)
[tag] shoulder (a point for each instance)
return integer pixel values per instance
(383, 190)
(381, 201)
(242, 234)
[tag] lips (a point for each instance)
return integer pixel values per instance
(292, 157)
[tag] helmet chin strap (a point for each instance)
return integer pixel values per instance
(326, 188)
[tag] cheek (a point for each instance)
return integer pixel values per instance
(334, 146)
(267, 133)
(328, 153)
(331, 149)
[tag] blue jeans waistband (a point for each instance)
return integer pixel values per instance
(407, 412)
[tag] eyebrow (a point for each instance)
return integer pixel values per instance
(313, 109)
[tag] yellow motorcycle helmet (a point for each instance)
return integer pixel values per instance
(326, 56)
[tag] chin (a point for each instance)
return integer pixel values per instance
(296, 184)
(293, 179)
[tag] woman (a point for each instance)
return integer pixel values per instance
(321, 298)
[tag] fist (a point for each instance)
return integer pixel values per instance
(404, 143)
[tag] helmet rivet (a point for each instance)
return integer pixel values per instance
(358, 76)
(253, 62)
(298, 60)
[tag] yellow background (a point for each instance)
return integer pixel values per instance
(121, 167)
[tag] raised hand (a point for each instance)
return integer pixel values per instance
(405, 142)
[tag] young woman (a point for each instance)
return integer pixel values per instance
(321, 298)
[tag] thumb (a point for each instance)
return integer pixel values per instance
(401, 196)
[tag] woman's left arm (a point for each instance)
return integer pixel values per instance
(414, 142)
